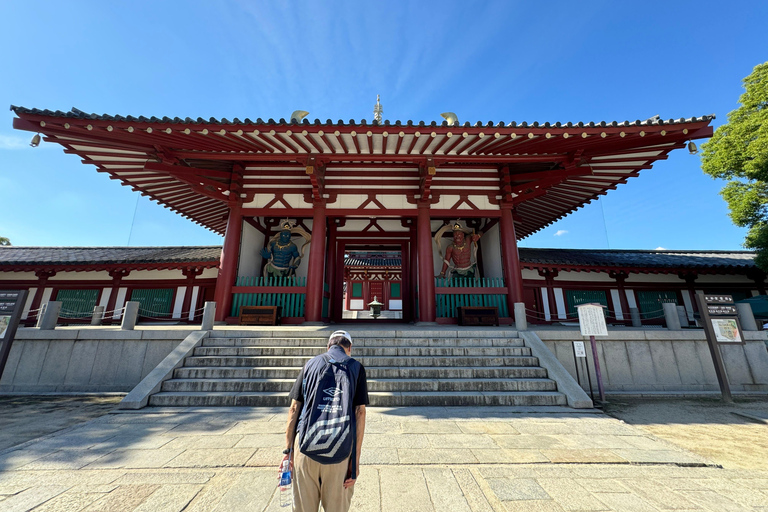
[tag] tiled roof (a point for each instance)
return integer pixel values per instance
(75, 113)
(106, 255)
(529, 257)
(637, 258)
(372, 262)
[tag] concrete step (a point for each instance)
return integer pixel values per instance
(381, 399)
(374, 385)
(383, 372)
(368, 361)
(365, 342)
(362, 352)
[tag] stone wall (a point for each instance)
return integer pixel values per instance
(658, 360)
(85, 360)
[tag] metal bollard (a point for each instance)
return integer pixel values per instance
(98, 315)
(521, 322)
(50, 316)
(130, 316)
(747, 317)
(671, 316)
(209, 313)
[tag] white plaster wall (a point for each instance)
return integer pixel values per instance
(119, 302)
(591, 277)
(723, 279)
(28, 305)
(209, 273)
(531, 274)
(144, 275)
(193, 302)
(251, 244)
(80, 276)
(181, 291)
(490, 244)
(654, 278)
(17, 276)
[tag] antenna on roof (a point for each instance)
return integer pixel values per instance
(378, 109)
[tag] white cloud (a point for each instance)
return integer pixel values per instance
(561, 232)
(660, 249)
(13, 142)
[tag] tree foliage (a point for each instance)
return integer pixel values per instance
(738, 152)
(4, 241)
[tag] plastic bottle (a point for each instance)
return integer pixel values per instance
(286, 492)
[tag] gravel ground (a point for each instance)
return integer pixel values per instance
(706, 427)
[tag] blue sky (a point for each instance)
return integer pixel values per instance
(486, 61)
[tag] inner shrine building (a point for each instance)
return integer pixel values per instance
(321, 217)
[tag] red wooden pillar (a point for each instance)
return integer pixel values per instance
(620, 278)
(330, 269)
(117, 276)
(42, 283)
(426, 265)
(549, 276)
(314, 302)
(190, 273)
(510, 259)
(228, 262)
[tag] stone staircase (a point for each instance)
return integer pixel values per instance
(401, 371)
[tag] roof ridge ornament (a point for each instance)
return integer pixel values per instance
(298, 115)
(378, 109)
(451, 118)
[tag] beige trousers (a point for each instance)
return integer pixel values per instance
(315, 483)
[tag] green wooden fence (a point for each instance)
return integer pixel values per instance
(155, 303)
(575, 297)
(292, 304)
(448, 302)
(651, 303)
(77, 303)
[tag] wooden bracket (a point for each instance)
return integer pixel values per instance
(427, 170)
(316, 172)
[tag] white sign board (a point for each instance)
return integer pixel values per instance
(578, 349)
(726, 330)
(592, 320)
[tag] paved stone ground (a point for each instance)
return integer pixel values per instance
(421, 459)
(23, 418)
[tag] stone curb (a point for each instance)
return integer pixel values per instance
(576, 396)
(139, 396)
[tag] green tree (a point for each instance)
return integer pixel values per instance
(4, 241)
(738, 152)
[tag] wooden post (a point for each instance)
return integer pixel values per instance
(42, 283)
(510, 258)
(426, 265)
(330, 269)
(314, 305)
(117, 276)
(228, 262)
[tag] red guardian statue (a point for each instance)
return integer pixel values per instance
(461, 254)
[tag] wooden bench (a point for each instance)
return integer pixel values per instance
(478, 315)
(259, 315)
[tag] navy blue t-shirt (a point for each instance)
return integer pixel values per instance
(361, 388)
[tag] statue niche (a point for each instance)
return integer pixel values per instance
(460, 258)
(282, 255)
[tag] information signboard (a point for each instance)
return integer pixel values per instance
(578, 349)
(720, 320)
(11, 305)
(592, 320)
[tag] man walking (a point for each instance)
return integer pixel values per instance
(327, 410)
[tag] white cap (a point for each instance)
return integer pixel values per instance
(343, 334)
